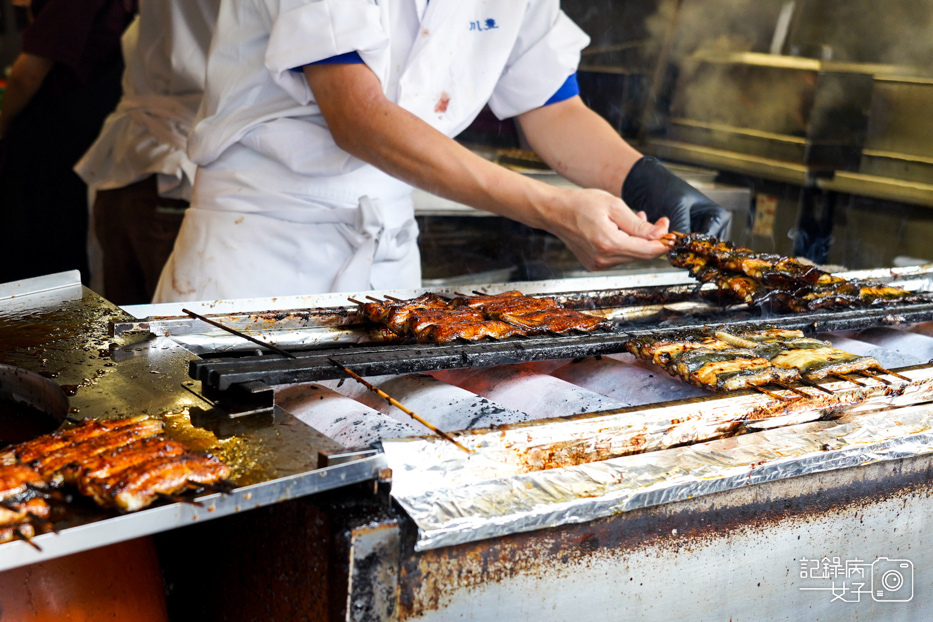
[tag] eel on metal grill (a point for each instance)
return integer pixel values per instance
(773, 281)
(721, 361)
(430, 318)
(123, 464)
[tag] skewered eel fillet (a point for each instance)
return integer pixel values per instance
(815, 359)
(766, 280)
(709, 362)
(430, 318)
(23, 511)
(121, 464)
(722, 361)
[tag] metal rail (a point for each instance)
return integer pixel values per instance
(221, 374)
(157, 519)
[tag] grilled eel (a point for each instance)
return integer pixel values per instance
(123, 464)
(118, 458)
(468, 330)
(766, 268)
(481, 300)
(729, 370)
(432, 319)
(559, 320)
(814, 359)
(532, 315)
(40, 447)
(138, 485)
(786, 294)
(396, 314)
(58, 466)
(424, 320)
(23, 511)
(708, 362)
(661, 351)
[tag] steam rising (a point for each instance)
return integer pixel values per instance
(898, 32)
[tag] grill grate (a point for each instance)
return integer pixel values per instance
(222, 374)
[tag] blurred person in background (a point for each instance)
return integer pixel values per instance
(138, 165)
(62, 85)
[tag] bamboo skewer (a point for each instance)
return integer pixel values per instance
(399, 405)
(32, 518)
(242, 335)
(783, 398)
(847, 379)
(868, 374)
(814, 385)
(895, 374)
(792, 389)
(9, 506)
(19, 535)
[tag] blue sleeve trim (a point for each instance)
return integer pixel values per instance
(570, 88)
(349, 57)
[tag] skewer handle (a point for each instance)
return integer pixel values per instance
(239, 334)
(895, 374)
(399, 405)
(20, 536)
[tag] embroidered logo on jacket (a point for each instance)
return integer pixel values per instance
(486, 24)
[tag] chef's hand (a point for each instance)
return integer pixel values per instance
(602, 231)
(654, 190)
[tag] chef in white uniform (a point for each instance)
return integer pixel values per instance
(319, 116)
(139, 164)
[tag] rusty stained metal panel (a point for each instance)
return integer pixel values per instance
(734, 555)
(372, 594)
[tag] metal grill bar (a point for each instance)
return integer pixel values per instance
(222, 373)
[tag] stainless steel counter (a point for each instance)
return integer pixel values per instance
(61, 332)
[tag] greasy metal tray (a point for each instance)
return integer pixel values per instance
(54, 327)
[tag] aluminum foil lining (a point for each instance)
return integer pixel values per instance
(455, 498)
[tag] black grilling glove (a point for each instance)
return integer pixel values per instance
(654, 190)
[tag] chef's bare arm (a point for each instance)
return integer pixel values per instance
(595, 224)
(26, 76)
(579, 144)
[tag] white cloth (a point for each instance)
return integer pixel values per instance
(281, 233)
(165, 51)
(442, 61)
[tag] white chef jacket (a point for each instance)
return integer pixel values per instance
(165, 52)
(278, 207)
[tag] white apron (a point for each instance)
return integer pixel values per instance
(280, 233)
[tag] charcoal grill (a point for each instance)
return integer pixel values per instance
(570, 499)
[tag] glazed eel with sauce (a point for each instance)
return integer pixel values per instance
(24, 511)
(773, 281)
(123, 464)
(430, 318)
